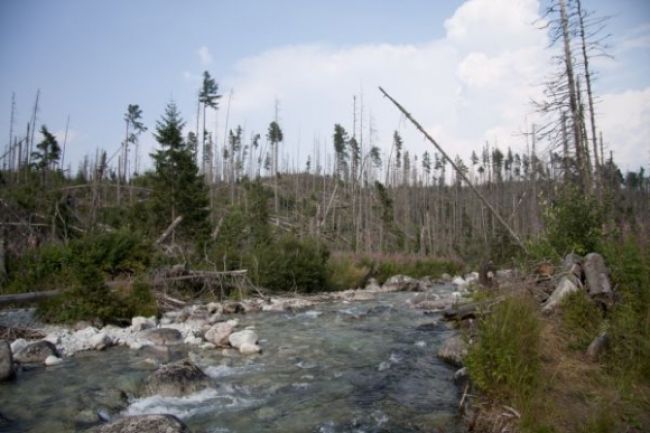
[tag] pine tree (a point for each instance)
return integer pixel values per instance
(178, 188)
(48, 152)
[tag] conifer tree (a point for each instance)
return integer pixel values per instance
(178, 188)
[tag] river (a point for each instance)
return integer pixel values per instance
(366, 366)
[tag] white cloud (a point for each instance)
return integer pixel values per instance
(204, 55)
(474, 84)
(625, 120)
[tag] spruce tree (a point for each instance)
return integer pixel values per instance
(178, 189)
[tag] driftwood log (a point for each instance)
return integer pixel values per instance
(18, 298)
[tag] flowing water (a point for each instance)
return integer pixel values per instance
(341, 367)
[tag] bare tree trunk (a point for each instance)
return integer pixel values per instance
(590, 98)
(573, 99)
(459, 172)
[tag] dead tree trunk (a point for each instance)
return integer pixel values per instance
(459, 172)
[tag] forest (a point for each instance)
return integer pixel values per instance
(126, 234)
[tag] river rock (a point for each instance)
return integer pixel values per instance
(6, 361)
(567, 285)
(214, 307)
(233, 307)
(246, 336)
(100, 341)
(18, 344)
(140, 323)
(35, 353)
(162, 336)
(249, 349)
(599, 285)
(218, 334)
(52, 360)
(176, 380)
(143, 424)
(372, 285)
(401, 283)
(453, 351)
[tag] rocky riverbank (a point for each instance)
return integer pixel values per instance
(213, 328)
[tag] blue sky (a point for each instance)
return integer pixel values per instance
(90, 59)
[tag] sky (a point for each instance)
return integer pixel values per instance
(467, 70)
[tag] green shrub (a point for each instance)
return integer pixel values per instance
(582, 320)
(629, 322)
(573, 222)
(292, 264)
(343, 272)
(505, 361)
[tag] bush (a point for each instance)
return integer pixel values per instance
(581, 320)
(629, 322)
(505, 361)
(573, 222)
(292, 264)
(343, 272)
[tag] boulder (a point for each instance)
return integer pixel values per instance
(36, 353)
(218, 334)
(100, 341)
(599, 286)
(453, 351)
(163, 336)
(18, 344)
(52, 360)
(6, 361)
(401, 283)
(372, 285)
(233, 307)
(597, 347)
(140, 323)
(249, 349)
(459, 282)
(247, 336)
(567, 285)
(143, 424)
(215, 307)
(176, 380)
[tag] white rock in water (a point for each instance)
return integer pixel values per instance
(215, 308)
(459, 281)
(236, 339)
(218, 334)
(249, 349)
(191, 339)
(207, 346)
(53, 360)
(140, 323)
(18, 344)
(100, 341)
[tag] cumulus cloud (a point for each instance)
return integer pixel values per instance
(205, 56)
(625, 120)
(472, 85)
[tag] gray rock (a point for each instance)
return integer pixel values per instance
(144, 424)
(247, 336)
(401, 283)
(597, 347)
(36, 353)
(176, 380)
(162, 336)
(568, 284)
(453, 351)
(6, 361)
(218, 334)
(599, 285)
